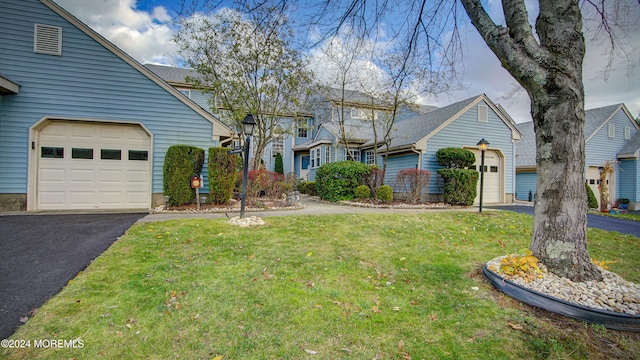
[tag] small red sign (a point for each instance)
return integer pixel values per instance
(196, 182)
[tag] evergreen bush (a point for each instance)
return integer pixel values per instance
(337, 180)
(362, 192)
(460, 186)
(385, 193)
(181, 163)
(222, 175)
(592, 201)
(279, 166)
(455, 158)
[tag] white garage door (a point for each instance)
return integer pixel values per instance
(93, 166)
(492, 176)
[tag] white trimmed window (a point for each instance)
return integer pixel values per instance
(612, 131)
(369, 157)
(483, 113)
(354, 154)
(47, 39)
(627, 133)
(327, 154)
(302, 130)
(277, 145)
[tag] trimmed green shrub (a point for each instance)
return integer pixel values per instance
(278, 166)
(222, 175)
(307, 187)
(455, 158)
(362, 192)
(460, 186)
(337, 180)
(385, 193)
(181, 163)
(592, 201)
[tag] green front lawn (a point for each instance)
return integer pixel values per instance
(318, 287)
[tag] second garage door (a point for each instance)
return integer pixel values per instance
(83, 165)
(492, 176)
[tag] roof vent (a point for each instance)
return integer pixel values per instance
(47, 39)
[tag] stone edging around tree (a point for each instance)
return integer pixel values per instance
(610, 319)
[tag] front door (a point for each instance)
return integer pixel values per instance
(304, 167)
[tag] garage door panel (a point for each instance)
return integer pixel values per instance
(112, 197)
(81, 198)
(111, 177)
(82, 176)
(52, 175)
(86, 180)
(52, 198)
(137, 176)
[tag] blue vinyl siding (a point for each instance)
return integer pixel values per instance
(629, 187)
(466, 131)
(525, 182)
(600, 147)
(88, 82)
(397, 163)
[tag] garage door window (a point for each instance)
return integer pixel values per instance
(494, 169)
(81, 153)
(138, 155)
(52, 152)
(110, 154)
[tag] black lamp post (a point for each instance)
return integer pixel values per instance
(482, 146)
(248, 123)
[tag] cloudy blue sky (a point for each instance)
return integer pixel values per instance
(144, 29)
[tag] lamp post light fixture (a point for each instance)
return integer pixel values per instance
(248, 124)
(482, 146)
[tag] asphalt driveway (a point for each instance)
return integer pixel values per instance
(594, 221)
(39, 254)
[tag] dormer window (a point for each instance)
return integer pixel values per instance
(47, 39)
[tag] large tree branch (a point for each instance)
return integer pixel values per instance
(517, 18)
(522, 59)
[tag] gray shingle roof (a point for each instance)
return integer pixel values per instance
(593, 120)
(409, 131)
(353, 132)
(526, 147)
(631, 147)
(170, 73)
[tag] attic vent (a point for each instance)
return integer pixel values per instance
(483, 114)
(47, 39)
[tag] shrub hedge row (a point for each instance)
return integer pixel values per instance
(181, 163)
(337, 180)
(222, 175)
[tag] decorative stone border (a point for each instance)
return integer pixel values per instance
(610, 319)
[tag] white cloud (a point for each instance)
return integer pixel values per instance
(143, 35)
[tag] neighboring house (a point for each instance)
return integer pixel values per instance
(326, 142)
(610, 134)
(415, 141)
(82, 124)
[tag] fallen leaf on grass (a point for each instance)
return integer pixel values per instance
(310, 351)
(515, 326)
(217, 358)
(24, 319)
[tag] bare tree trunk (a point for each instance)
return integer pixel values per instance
(551, 72)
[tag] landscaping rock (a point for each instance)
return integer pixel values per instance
(613, 293)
